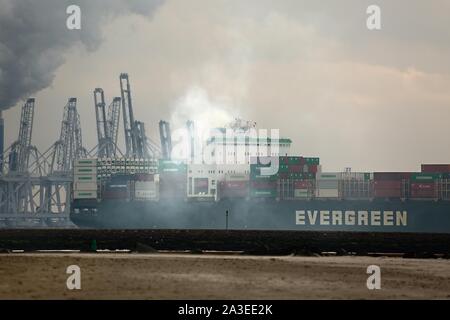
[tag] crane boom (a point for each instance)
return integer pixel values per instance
(20, 151)
(102, 124)
(113, 123)
(128, 117)
(69, 147)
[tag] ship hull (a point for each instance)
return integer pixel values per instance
(314, 215)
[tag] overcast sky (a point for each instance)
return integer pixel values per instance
(370, 100)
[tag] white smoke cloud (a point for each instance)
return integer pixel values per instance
(206, 112)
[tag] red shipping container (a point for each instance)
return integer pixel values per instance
(383, 176)
(388, 193)
(234, 189)
(295, 168)
(313, 168)
(388, 184)
(423, 186)
(435, 168)
(302, 184)
(235, 184)
(263, 184)
(423, 194)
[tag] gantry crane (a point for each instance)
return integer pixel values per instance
(128, 117)
(137, 144)
(69, 147)
(29, 195)
(107, 124)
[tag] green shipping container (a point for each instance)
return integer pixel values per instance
(425, 176)
(86, 162)
(307, 175)
(85, 178)
(260, 177)
(312, 161)
(294, 160)
(86, 170)
(171, 166)
(263, 193)
(301, 193)
(328, 176)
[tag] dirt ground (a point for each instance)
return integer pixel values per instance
(206, 276)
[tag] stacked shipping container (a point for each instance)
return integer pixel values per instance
(442, 182)
(85, 179)
(356, 185)
(296, 178)
(117, 187)
(234, 186)
(390, 184)
(424, 185)
(262, 185)
(327, 185)
(108, 168)
(146, 187)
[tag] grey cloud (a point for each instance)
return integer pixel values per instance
(34, 39)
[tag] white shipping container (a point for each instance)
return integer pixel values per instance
(145, 194)
(327, 184)
(301, 193)
(85, 170)
(85, 194)
(327, 193)
(85, 186)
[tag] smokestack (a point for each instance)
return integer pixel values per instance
(2, 132)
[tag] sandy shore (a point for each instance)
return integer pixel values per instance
(187, 276)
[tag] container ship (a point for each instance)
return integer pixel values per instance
(236, 178)
(278, 191)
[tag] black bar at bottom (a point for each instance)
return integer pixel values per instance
(228, 309)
